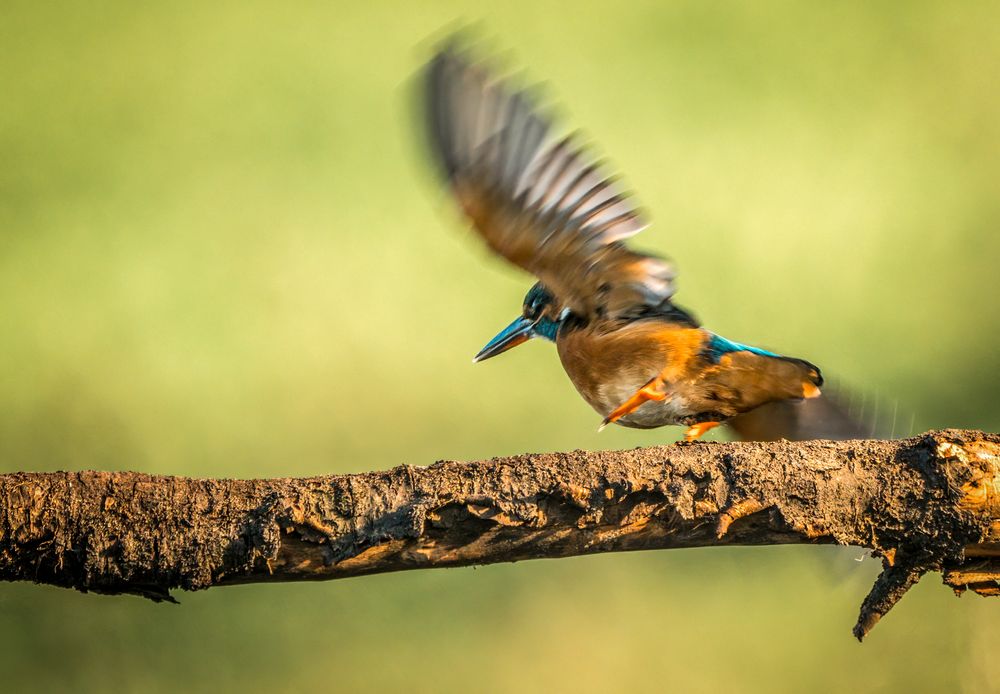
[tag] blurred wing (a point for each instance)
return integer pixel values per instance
(817, 418)
(545, 205)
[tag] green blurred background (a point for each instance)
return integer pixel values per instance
(223, 254)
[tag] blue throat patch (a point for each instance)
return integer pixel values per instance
(547, 328)
(718, 345)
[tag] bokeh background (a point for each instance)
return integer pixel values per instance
(222, 253)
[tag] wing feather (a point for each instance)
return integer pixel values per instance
(545, 204)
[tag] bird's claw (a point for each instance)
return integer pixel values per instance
(696, 431)
(650, 391)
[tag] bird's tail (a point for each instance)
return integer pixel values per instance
(841, 413)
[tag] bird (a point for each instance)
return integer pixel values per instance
(546, 203)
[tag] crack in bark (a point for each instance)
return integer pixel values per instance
(930, 503)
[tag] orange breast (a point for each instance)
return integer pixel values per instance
(607, 367)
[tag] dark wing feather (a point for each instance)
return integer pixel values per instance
(545, 205)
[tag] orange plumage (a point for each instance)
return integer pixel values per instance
(547, 206)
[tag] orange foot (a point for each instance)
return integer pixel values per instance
(696, 431)
(650, 391)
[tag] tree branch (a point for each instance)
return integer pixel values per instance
(930, 503)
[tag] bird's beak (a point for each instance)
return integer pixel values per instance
(521, 330)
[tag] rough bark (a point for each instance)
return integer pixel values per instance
(930, 503)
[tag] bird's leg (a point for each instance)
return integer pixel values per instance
(696, 431)
(651, 391)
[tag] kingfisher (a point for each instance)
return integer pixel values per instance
(547, 204)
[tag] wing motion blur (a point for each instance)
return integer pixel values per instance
(545, 204)
(824, 417)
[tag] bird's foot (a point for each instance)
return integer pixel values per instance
(696, 431)
(650, 391)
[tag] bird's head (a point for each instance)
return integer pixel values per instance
(540, 317)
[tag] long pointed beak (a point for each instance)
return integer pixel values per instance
(521, 330)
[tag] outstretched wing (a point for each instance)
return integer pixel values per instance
(544, 204)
